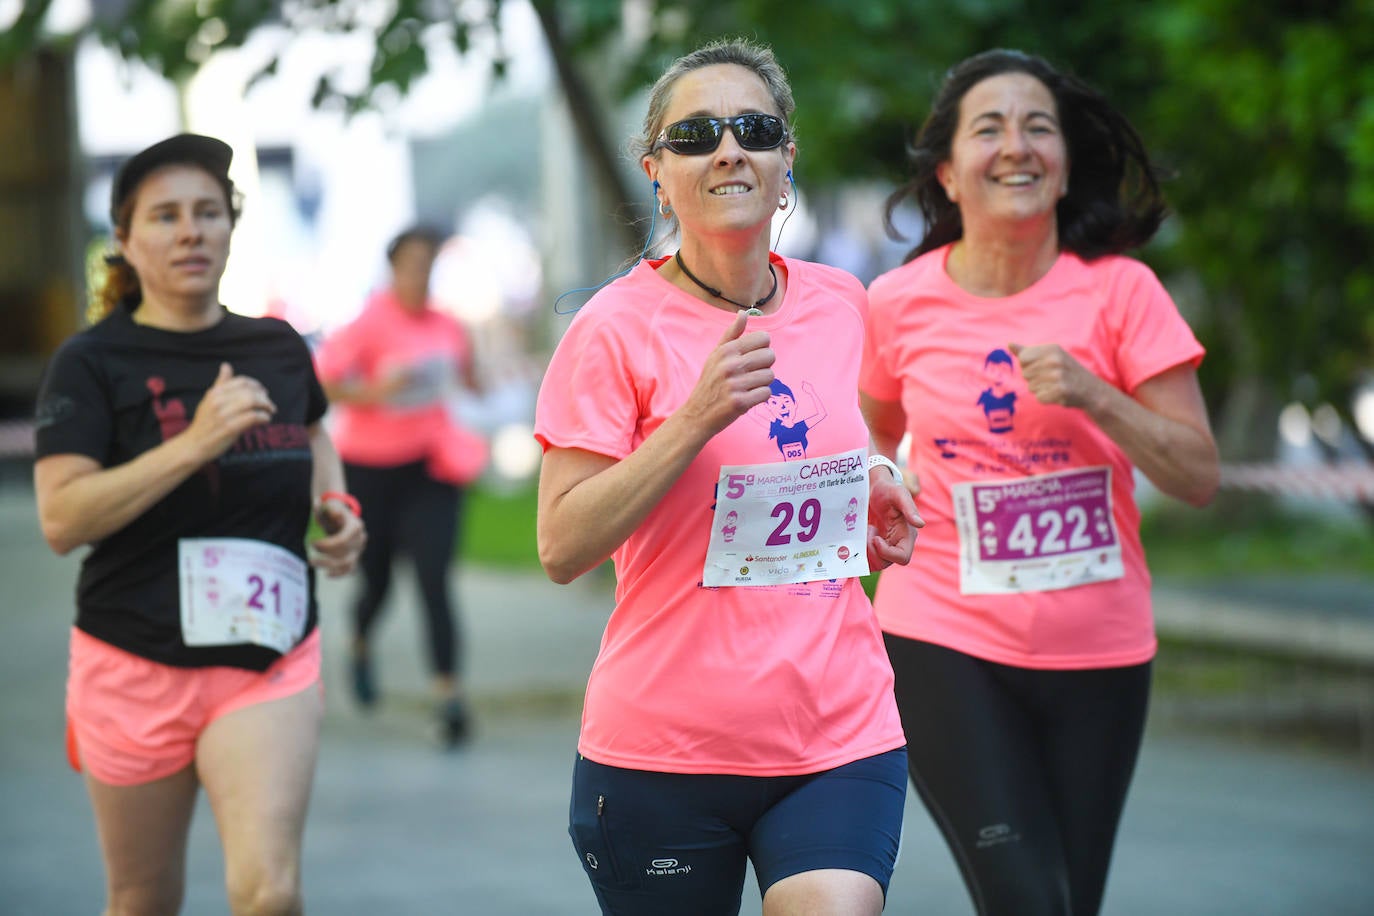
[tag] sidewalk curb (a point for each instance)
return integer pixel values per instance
(1296, 631)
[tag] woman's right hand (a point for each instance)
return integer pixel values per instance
(735, 378)
(233, 405)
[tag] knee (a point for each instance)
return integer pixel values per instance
(145, 900)
(272, 893)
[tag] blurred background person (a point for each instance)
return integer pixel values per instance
(740, 709)
(183, 442)
(1022, 636)
(393, 372)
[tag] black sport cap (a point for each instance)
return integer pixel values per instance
(210, 154)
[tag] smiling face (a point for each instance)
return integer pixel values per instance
(1008, 160)
(177, 239)
(731, 189)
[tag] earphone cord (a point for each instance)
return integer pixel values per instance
(648, 240)
(796, 198)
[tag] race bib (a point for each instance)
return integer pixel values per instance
(793, 521)
(237, 590)
(1039, 533)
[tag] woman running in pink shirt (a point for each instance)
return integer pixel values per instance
(741, 707)
(390, 373)
(1035, 369)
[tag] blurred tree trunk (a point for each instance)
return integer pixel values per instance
(41, 264)
(587, 117)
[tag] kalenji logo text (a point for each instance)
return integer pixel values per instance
(667, 867)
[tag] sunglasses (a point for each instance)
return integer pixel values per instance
(699, 136)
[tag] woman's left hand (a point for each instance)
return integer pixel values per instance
(338, 551)
(892, 521)
(1055, 377)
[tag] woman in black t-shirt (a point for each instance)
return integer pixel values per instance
(183, 444)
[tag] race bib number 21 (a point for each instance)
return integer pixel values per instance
(238, 590)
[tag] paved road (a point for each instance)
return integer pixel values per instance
(398, 827)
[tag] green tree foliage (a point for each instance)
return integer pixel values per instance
(174, 37)
(1264, 113)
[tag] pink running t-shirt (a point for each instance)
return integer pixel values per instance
(943, 354)
(759, 680)
(430, 346)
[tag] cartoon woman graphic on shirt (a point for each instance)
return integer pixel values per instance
(998, 400)
(727, 531)
(784, 426)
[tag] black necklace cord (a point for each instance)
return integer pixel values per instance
(717, 293)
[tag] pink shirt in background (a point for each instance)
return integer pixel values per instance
(932, 347)
(429, 346)
(760, 680)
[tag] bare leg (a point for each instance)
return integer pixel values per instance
(824, 892)
(143, 832)
(257, 765)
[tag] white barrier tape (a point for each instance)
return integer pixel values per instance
(16, 439)
(1347, 481)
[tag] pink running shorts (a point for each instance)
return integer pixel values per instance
(131, 721)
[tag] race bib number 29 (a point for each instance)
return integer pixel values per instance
(786, 522)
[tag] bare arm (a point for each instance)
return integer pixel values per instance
(363, 392)
(326, 469)
(590, 503)
(1165, 432)
(1163, 429)
(887, 424)
(338, 551)
(80, 501)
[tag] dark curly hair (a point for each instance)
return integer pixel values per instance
(1113, 202)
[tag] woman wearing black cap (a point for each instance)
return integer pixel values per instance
(182, 442)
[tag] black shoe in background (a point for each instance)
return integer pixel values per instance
(364, 687)
(455, 723)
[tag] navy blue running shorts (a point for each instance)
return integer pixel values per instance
(662, 844)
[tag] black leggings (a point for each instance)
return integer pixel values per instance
(407, 510)
(1024, 771)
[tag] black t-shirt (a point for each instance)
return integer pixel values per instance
(117, 390)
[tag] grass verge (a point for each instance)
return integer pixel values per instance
(499, 528)
(1182, 543)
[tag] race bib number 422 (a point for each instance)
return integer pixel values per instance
(1037, 533)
